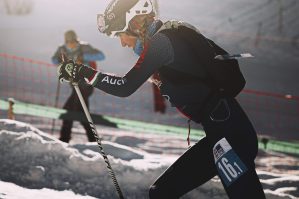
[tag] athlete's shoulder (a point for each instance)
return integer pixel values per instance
(87, 48)
(159, 48)
(160, 38)
(83, 43)
(61, 47)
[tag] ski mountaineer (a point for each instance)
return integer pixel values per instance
(82, 52)
(197, 84)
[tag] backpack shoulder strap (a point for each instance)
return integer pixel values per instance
(175, 24)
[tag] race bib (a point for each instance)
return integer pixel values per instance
(229, 165)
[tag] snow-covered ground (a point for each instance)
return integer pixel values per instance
(37, 165)
(13, 191)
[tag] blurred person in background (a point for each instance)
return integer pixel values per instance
(82, 53)
(193, 74)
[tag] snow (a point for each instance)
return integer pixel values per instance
(35, 164)
(37, 160)
(12, 191)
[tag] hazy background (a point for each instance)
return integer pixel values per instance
(269, 29)
(266, 28)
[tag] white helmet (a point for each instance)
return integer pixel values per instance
(119, 13)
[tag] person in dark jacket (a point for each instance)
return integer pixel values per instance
(82, 53)
(183, 73)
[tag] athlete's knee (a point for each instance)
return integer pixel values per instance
(155, 192)
(229, 165)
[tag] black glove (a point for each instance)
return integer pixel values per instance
(72, 72)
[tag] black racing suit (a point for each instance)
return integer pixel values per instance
(220, 116)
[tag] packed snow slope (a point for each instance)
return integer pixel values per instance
(32, 159)
(13, 191)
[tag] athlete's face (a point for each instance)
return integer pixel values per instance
(72, 44)
(127, 40)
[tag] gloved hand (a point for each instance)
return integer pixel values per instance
(72, 72)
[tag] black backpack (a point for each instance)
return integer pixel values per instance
(222, 75)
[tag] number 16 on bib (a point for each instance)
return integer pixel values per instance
(229, 165)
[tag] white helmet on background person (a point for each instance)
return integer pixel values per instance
(119, 13)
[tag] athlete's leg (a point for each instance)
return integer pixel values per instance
(88, 131)
(238, 176)
(247, 187)
(195, 167)
(236, 168)
(66, 130)
(77, 106)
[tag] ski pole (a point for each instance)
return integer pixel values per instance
(95, 134)
(62, 53)
(56, 104)
(98, 139)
